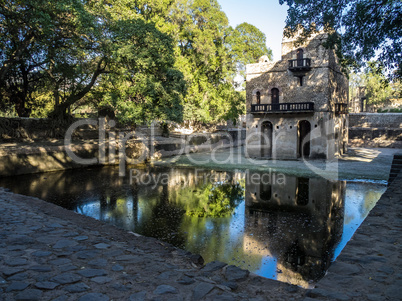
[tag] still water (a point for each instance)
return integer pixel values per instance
(278, 226)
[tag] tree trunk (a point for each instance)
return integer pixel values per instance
(60, 110)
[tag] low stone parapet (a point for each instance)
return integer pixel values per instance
(24, 157)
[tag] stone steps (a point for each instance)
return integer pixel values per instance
(395, 168)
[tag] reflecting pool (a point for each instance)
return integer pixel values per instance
(278, 226)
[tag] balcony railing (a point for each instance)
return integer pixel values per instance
(300, 65)
(283, 107)
(341, 108)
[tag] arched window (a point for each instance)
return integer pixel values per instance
(275, 96)
(299, 56)
(258, 94)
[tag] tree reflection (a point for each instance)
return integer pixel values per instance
(217, 200)
(160, 217)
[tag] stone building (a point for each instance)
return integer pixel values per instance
(297, 107)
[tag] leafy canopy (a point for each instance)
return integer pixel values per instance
(358, 29)
(142, 59)
(379, 88)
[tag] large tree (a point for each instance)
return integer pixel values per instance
(49, 46)
(136, 57)
(358, 29)
(209, 53)
(66, 51)
(142, 84)
(248, 44)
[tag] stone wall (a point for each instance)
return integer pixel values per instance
(322, 83)
(375, 130)
(328, 136)
(25, 158)
(376, 120)
(38, 129)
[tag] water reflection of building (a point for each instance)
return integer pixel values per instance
(298, 221)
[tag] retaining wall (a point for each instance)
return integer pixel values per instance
(375, 120)
(375, 130)
(25, 158)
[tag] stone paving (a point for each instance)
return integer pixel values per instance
(49, 253)
(358, 163)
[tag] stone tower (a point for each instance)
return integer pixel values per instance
(297, 107)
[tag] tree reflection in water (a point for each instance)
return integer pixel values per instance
(289, 231)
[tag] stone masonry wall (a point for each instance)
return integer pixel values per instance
(375, 130)
(325, 82)
(324, 85)
(376, 120)
(26, 158)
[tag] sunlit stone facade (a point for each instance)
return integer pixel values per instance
(297, 107)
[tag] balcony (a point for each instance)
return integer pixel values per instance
(341, 108)
(300, 65)
(298, 107)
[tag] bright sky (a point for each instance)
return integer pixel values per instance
(267, 15)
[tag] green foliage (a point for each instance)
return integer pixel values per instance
(143, 84)
(247, 44)
(47, 46)
(146, 60)
(209, 54)
(394, 110)
(199, 30)
(379, 88)
(64, 50)
(217, 200)
(357, 29)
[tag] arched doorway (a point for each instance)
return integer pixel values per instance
(299, 56)
(295, 255)
(275, 95)
(304, 139)
(266, 139)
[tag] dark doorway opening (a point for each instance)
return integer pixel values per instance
(302, 194)
(265, 191)
(266, 139)
(275, 98)
(304, 138)
(299, 55)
